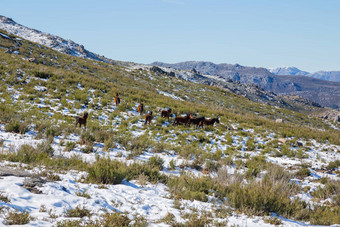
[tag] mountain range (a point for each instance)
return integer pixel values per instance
(326, 93)
(323, 75)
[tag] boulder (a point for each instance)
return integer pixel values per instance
(279, 121)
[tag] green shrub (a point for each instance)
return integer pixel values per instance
(87, 149)
(78, 212)
(333, 165)
(115, 219)
(156, 162)
(255, 165)
(18, 218)
(302, 173)
(106, 171)
(70, 146)
(42, 75)
(4, 198)
(17, 127)
(185, 187)
(86, 138)
(250, 144)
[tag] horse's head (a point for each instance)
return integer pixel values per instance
(150, 113)
(116, 94)
(217, 120)
(169, 110)
(85, 115)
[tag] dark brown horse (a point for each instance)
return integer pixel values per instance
(182, 120)
(81, 120)
(140, 108)
(166, 113)
(148, 118)
(196, 121)
(117, 99)
(208, 122)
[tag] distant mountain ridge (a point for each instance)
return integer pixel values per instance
(323, 75)
(326, 93)
(288, 71)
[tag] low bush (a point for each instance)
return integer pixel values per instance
(106, 171)
(156, 162)
(18, 218)
(78, 212)
(17, 127)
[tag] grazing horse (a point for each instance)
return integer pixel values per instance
(182, 120)
(117, 99)
(140, 108)
(148, 118)
(196, 121)
(208, 122)
(81, 120)
(166, 113)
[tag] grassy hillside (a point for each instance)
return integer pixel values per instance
(39, 100)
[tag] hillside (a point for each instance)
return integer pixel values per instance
(322, 75)
(325, 93)
(261, 165)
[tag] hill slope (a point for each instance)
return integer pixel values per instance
(249, 169)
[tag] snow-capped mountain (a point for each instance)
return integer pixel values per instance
(326, 75)
(52, 41)
(288, 71)
(322, 75)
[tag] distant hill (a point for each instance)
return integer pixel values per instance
(288, 71)
(326, 93)
(322, 75)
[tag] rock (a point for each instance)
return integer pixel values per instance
(34, 60)
(158, 109)
(81, 49)
(282, 140)
(299, 144)
(31, 183)
(279, 121)
(332, 115)
(5, 171)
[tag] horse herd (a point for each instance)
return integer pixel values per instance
(186, 120)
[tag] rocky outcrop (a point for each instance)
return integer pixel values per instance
(332, 115)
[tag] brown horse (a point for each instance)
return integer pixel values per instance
(148, 118)
(81, 120)
(166, 113)
(196, 121)
(182, 120)
(208, 122)
(117, 99)
(140, 108)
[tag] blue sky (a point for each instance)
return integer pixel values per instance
(267, 33)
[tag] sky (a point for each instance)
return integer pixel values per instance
(260, 33)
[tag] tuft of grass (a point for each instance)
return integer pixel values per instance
(18, 218)
(70, 146)
(156, 162)
(17, 127)
(4, 198)
(78, 212)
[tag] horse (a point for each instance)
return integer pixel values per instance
(166, 113)
(182, 120)
(196, 121)
(148, 118)
(81, 120)
(140, 108)
(117, 99)
(209, 122)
